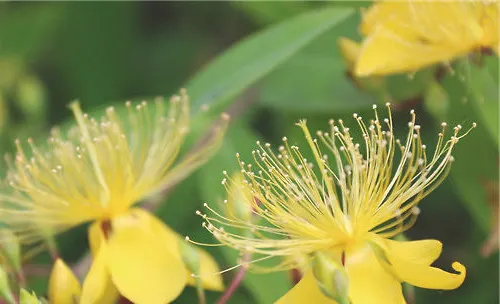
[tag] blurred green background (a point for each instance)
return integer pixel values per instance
(268, 64)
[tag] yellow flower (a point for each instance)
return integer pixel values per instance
(346, 205)
(97, 172)
(405, 36)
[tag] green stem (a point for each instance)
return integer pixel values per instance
(200, 292)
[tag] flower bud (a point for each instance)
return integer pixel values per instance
(27, 298)
(190, 256)
(31, 96)
(64, 288)
(239, 202)
(331, 277)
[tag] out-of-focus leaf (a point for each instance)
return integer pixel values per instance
(402, 87)
(316, 79)
(476, 155)
(484, 92)
(26, 29)
(94, 67)
(271, 11)
(436, 100)
(256, 56)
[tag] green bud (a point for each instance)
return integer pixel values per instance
(5, 291)
(239, 202)
(191, 259)
(31, 96)
(331, 277)
(190, 256)
(11, 69)
(27, 298)
(11, 249)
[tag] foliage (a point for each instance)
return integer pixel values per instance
(267, 65)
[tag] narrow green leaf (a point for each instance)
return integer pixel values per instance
(315, 79)
(476, 155)
(484, 92)
(256, 56)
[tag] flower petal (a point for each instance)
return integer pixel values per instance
(209, 272)
(64, 288)
(386, 52)
(98, 287)
(142, 268)
(369, 282)
(418, 252)
(96, 236)
(350, 51)
(208, 267)
(306, 291)
(426, 276)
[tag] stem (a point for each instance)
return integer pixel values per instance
(235, 283)
(200, 292)
(52, 247)
(21, 279)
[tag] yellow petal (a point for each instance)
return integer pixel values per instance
(350, 50)
(418, 252)
(64, 288)
(369, 282)
(423, 275)
(385, 52)
(489, 23)
(208, 267)
(306, 291)
(209, 272)
(96, 236)
(405, 36)
(98, 287)
(141, 267)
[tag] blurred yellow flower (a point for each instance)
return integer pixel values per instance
(405, 36)
(343, 208)
(64, 287)
(97, 172)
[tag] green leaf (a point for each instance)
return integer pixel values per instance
(315, 80)
(483, 89)
(94, 68)
(271, 11)
(254, 57)
(436, 100)
(476, 156)
(26, 29)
